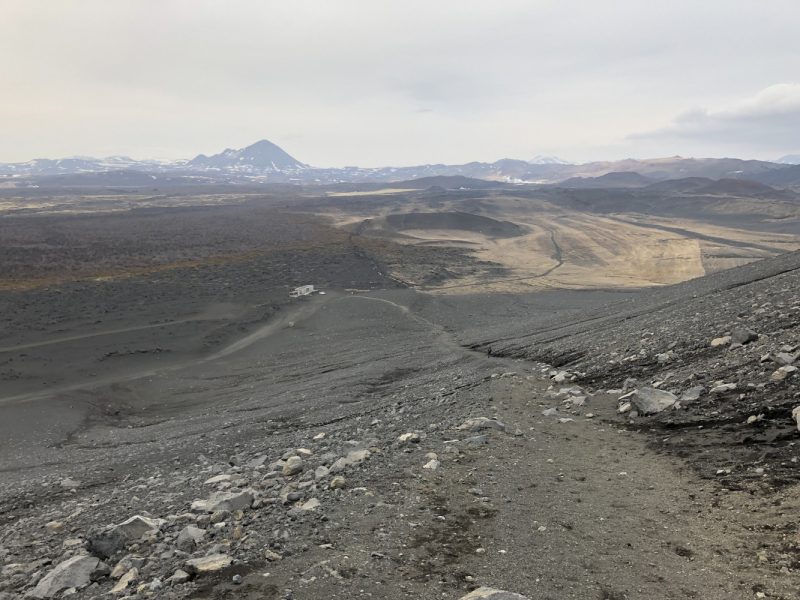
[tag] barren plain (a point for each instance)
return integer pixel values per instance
(152, 364)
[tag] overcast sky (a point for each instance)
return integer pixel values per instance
(385, 82)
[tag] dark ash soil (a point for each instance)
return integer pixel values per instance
(122, 397)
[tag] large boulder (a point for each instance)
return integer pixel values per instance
(650, 401)
(230, 501)
(693, 394)
(208, 564)
(75, 572)
(743, 335)
(353, 457)
(479, 423)
(124, 581)
(486, 593)
(105, 542)
(293, 466)
(135, 527)
(189, 538)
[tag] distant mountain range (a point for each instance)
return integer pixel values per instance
(549, 160)
(266, 162)
(789, 159)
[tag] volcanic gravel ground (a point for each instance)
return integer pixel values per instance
(586, 502)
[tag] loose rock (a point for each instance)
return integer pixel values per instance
(651, 401)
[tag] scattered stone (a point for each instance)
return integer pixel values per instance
(784, 359)
(485, 593)
(651, 401)
(321, 472)
(479, 423)
(408, 438)
(217, 479)
(237, 579)
(550, 412)
(219, 516)
(105, 542)
(257, 462)
(478, 439)
(208, 564)
(312, 504)
(432, 465)
(293, 466)
(357, 456)
(70, 483)
(189, 538)
(180, 576)
(229, 501)
(721, 389)
(743, 335)
(273, 556)
(125, 581)
(137, 526)
(75, 572)
(54, 527)
(783, 373)
(338, 465)
(126, 564)
(665, 357)
(721, 341)
(693, 394)
(337, 482)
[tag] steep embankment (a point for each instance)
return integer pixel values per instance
(686, 337)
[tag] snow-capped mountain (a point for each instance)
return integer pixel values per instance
(261, 156)
(549, 160)
(789, 159)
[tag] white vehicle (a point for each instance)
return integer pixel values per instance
(303, 290)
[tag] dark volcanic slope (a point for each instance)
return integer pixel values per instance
(741, 188)
(785, 176)
(666, 336)
(609, 180)
(450, 182)
(687, 184)
(454, 220)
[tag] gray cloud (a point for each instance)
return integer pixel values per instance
(770, 119)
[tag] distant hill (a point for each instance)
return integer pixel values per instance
(448, 182)
(117, 178)
(789, 175)
(741, 188)
(271, 164)
(687, 184)
(676, 167)
(261, 156)
(609, 180)
(789, 159)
